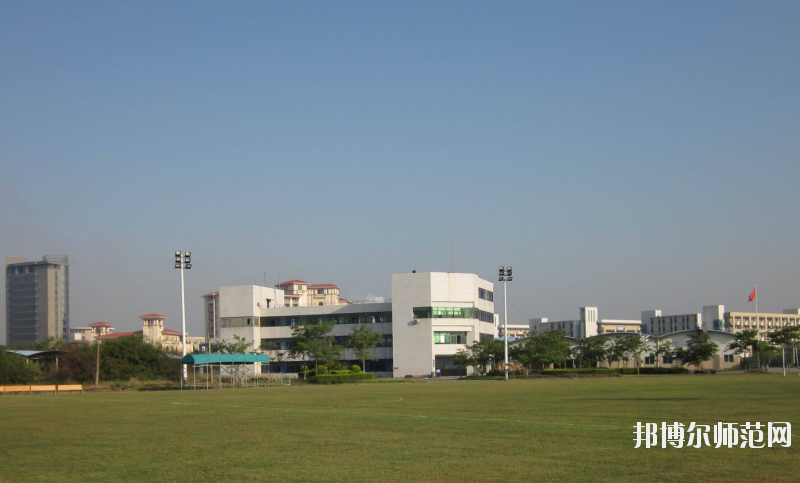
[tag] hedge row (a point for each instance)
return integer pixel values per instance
(617, 370)
(340, 378)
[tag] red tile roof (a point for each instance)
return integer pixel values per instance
(119, 335)
(168, 331)
(293, 282)
(323, 285)
(96, 324)
(153, 316)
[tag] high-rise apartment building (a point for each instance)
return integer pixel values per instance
(37, 299)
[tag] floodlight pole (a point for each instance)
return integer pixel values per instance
(183, 328)
(183, 260)
(505, 325)
(506, 274)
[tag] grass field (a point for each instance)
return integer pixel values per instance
(526, 430)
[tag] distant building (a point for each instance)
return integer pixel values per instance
(714, 318)
(762, 322)
(154, 333)
(297, 293)
(659, 325)
(88, 334)
(37, 299)
(587, 325)
(431, 316)
(211, 315)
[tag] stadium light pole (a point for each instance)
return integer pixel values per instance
(505, 275)
(183, 260)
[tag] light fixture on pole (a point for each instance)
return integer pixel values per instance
(506, 275)
(183, 260)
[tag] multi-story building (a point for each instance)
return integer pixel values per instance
(88, 334)
(655, 324)
(429, 318)
(762, 322)
(154, 333)
(37, 299)
(515, 331)
(587, 325)
(297, 293)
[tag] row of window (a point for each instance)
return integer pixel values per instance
(486, 294)
(292, 320)
(449, 337)
(293, 367)
(286, 343)
(452, 313)
(669, 360)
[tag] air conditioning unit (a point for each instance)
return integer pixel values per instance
(416, 322)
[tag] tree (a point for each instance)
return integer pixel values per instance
(15, 369)
(663, 347)
(590, 352)
(480, 354)
(132, 357)
(238, 346)
(699, 348)
(314, 341)
(77, 365)
(765, 352)
(275, 352)
(542, 350)
(784, 337)
(361, 341)
(679, 354)
(615, 352)
(633, 347)
(745, 343)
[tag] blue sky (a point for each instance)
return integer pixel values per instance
(625, 155)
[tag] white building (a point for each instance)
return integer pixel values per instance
(431, 316)
(581, 328)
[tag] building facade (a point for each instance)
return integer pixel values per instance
(154, 333)
(37, 299)
(430, 317)
(658, 325)
(587, 325)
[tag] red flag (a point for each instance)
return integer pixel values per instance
(752, 295)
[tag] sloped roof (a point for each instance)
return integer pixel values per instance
(153, 316)
(119, 335)
(98, 324)
(323, 285)
(293, 282)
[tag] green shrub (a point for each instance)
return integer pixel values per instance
(664, 370)
(342, 378)
(568, 372)
(322, 370)
(617, 370)
(355, 368)
(341, 371)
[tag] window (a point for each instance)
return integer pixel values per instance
(449, 337)
(728, 357)
(485, 294)
(650, 360)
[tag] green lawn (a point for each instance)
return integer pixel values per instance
(526, 430)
